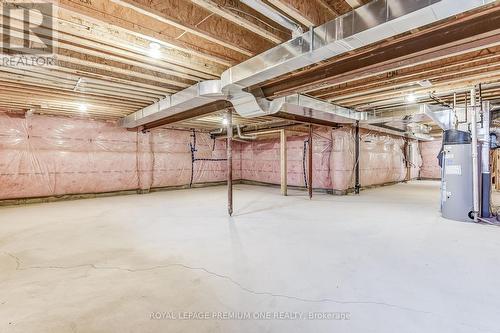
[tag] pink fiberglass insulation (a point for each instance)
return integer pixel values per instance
(47, 156)
(260, 160)
(382, 159)
(415, 159)
(430, 165)
(51, 156)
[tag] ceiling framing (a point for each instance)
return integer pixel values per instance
(104, 61)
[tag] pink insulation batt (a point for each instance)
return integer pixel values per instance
(430, 165)
(382, 159)
(51, 156)
(260, 160)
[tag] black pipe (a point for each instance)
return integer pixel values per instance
(357, 185)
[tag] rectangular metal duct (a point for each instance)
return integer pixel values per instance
(366, 25)
(197, 95)
(442, 116)
(371, 23)
(309, 107)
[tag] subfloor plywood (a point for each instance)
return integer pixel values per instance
(385, 257)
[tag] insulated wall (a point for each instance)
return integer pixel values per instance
(382, 159)
(260, 160)
(430, 166)
(49, 156)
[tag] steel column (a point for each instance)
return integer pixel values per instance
(310, 160)
(283, 162)
(357, 185)
(475, 169)
(229, 151)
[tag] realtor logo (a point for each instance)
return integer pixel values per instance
(28, 37)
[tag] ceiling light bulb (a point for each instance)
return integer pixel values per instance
(154, 46)
(154, 50)
(411, 98)
(224, 121)
(82, 107)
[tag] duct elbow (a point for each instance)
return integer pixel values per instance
(250, 105)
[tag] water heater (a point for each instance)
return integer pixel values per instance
(456, 186)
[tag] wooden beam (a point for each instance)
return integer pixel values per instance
(411, 75)
(283, 162)
(454, 81)
(455, 36)
(104, 11)
(309, 13)
(339, 7)
(116, 37)
(247, 18)
(128, 47)
(440, 74)
(354, 3)
(326, 5)
(199, 22)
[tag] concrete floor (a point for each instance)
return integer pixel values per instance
(385, 258)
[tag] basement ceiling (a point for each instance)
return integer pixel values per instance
(105, 59)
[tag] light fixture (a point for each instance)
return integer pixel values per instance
(82, 107)
(154, 50)
(411, 98)
(224, 121)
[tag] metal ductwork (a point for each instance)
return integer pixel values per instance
(274, 15)
(308, 107)
(197, 95)
(442, 116)
(371, 23)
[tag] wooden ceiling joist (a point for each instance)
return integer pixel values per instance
(476, 31)
(246, 17)
(145, 25)
(200, 22)
(104, 57)
(308, 13)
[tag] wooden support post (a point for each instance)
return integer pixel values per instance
(310, 158)
(229, 151)
(283, 162)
